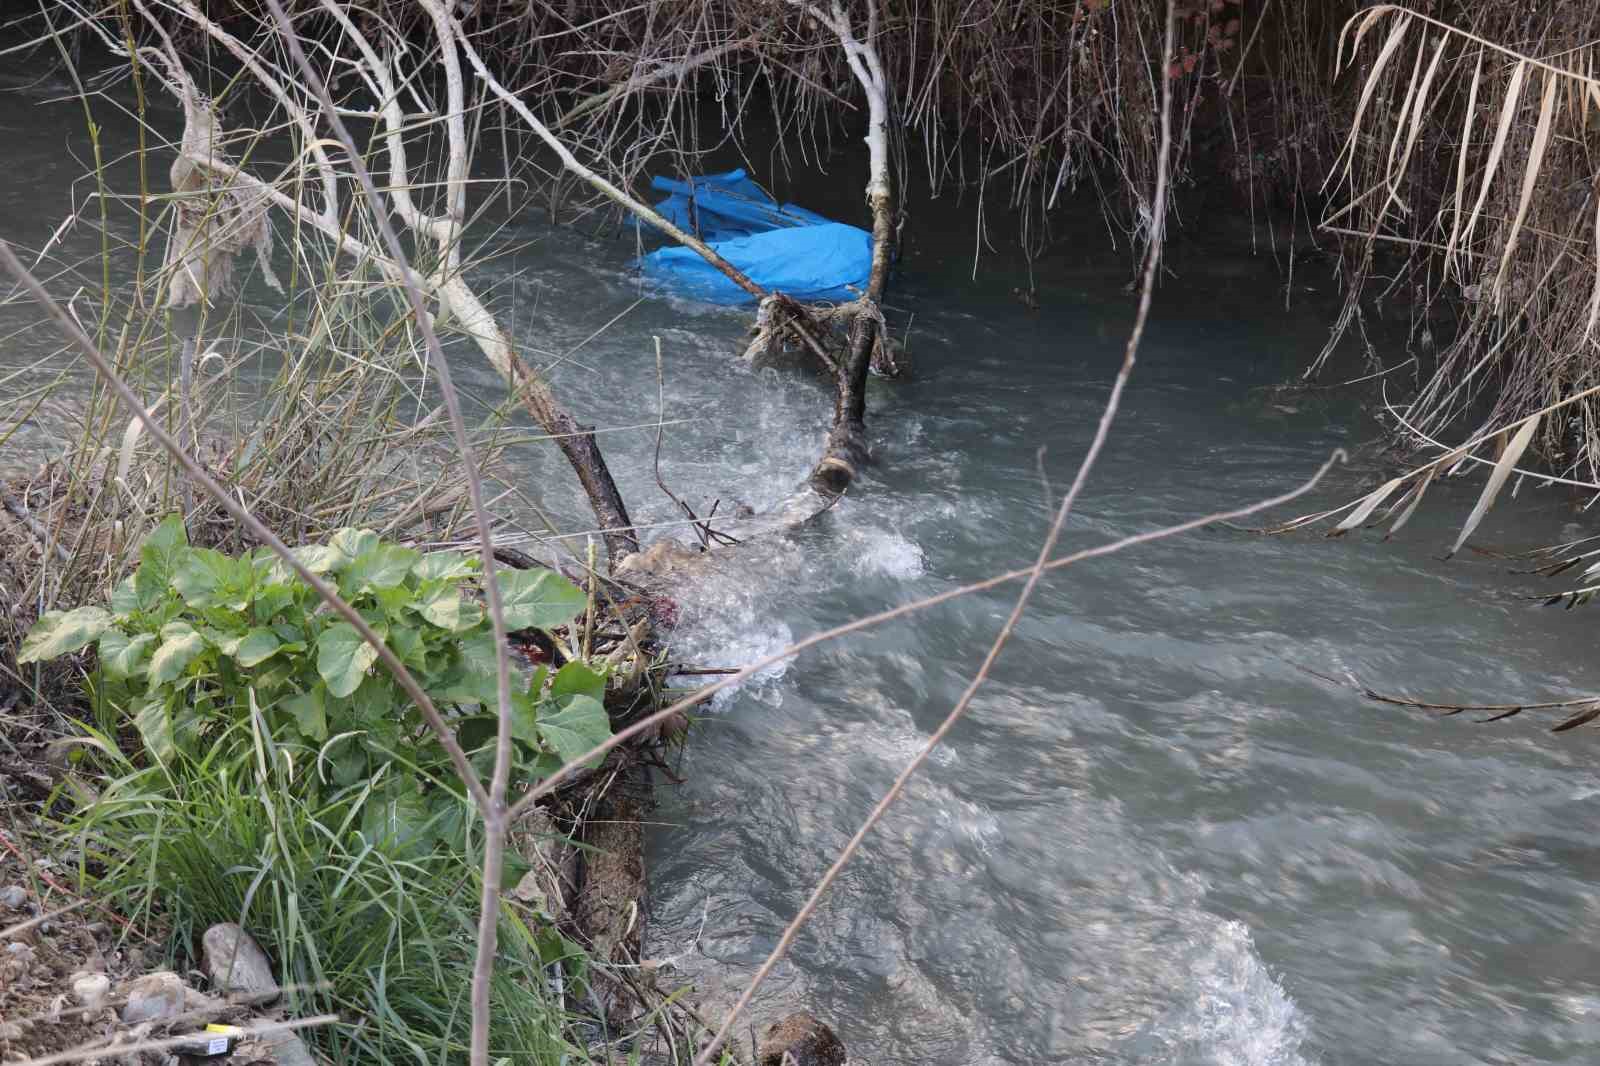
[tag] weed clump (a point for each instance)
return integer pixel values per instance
(276, 779)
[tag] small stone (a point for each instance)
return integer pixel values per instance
(13, 896)
(278, 1048)
(800, 1040)
(20, 951)
(97, 929)
(236, 965)
(91, 989)
(153, 997)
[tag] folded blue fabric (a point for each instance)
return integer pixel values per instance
(781, 247)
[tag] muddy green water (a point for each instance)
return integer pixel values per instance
(1154, 839)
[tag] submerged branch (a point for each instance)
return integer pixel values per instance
(1498, 711)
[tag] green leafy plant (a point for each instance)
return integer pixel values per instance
(198, 649)
(383, 938)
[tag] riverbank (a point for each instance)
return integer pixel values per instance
(125, 844)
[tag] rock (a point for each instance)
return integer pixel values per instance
(13, 896)
(236, 965)
(153, 997)
(16, 962)
(279, 1048)
(800, 1040)
(91, 989)
(664, 558)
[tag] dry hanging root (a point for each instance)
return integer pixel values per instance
(212, 225)
(776, 314)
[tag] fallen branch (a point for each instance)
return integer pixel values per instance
(1498, 711)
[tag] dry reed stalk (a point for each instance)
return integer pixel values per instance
(1465, 142)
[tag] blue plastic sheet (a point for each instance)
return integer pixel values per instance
(781, 247)
(826, 261)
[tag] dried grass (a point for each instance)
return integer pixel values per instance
(1473, 149)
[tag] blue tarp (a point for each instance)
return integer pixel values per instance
(781, 247)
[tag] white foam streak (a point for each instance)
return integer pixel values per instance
(1238, 1014)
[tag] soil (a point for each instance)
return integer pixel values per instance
(49, 936)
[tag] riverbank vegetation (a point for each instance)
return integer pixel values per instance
(295, 704)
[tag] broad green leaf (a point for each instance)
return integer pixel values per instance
(269, 599)
(477, 731)
(395, 815)
(439, 565)
(408, 645)
(186, 726)
(349, 764)
(391, 600)
(343, 658)
(207, 578)
(480, 664)
(63, 632)
(382, 735)
(351, 544)
(537, 765)
(373, 706)
(254, 647)
(574, 724)
(166, 536)
(376, 618)
(576, 679)
(539, 599)
(449, 816)
(462, 688)
(279, 672)
(290, 633)
(317, 558)
(573, 719)
(525, 717)
(555, 949)
(158, 558)
(310, 710)
(382, 567)
(124, 598)
(121, 656)
(442, 604)
(154, 723)
(180, 646)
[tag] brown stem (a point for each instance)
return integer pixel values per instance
(846, 451)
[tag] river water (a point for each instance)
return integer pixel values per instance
(1155, 838)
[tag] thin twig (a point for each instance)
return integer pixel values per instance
(702, 530)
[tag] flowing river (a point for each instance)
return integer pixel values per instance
(1155, 838)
